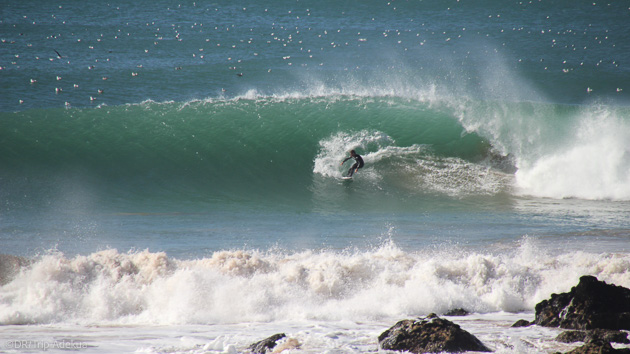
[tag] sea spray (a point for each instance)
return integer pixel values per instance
(594, 165)
(559, 151)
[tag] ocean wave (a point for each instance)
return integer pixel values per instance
(234, 286)
(456, 147)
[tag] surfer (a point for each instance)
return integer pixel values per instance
(357, 165)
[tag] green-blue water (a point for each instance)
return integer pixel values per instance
(276, 161)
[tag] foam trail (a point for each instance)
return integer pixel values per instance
(415, 168)
(250, 286)
(334, 149)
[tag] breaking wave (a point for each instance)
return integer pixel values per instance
(234, 286)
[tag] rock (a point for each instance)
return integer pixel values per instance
(266, 344)
(589, 305)
(522, 323)
(429, 335)
(598, 347)
(605, 335)
(10, 267)
(572, 337)
(457, 312)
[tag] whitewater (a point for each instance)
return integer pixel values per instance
(170, 176)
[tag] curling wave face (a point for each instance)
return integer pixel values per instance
(288, 149)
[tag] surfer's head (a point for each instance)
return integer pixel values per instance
(352, 153)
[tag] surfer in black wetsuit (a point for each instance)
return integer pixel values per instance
(357, 165)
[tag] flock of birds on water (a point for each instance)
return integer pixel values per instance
(293, 37)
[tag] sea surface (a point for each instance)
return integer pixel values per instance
(170, 177)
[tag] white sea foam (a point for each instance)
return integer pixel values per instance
(595, 164)
(243, 286)
(559, 151)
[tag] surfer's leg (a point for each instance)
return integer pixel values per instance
(351, 170)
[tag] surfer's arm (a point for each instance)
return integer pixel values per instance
(342, 162)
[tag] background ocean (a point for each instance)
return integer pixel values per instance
(170, 179)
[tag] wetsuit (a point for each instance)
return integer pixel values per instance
(357, 164)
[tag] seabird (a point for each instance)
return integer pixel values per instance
(59, 55)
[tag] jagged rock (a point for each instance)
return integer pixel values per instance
(598, 347)
(522, 323)
(572, 336)
(594, 335)
(589, 305)
(266, 344)
(457, 312)
(429, 335)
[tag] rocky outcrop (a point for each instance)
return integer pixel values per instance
(431, 334)
(266, 344)
(589, 305)
(595, 335)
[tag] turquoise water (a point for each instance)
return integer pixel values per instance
(179, 165)
(112, 176)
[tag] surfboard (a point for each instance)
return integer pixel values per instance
(346, 177)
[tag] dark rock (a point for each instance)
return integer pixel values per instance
(595, 335)
(266, 344)
(10, 266)
(609, 336)
(589, 305)
(522, 323)
(598, 347)
(429, 335)
(457, 312)
(571, 336)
